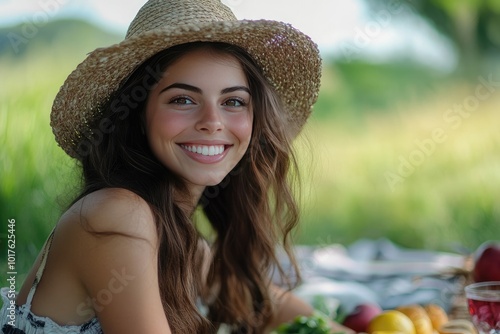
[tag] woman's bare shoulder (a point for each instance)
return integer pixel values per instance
(113, 211)
(106, 229)
(109, 240)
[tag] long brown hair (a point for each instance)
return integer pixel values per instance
(252, 211)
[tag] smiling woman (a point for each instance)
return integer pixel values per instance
(195, 112)
(173, 112)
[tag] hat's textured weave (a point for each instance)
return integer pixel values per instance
(289, 59)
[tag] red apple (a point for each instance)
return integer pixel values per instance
(487, 262)
(359, 319)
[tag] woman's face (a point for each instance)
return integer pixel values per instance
(199, 117)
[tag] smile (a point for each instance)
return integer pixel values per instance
(207, 150)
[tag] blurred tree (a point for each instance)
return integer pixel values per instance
(472, 25)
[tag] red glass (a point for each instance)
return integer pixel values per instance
(484, 306)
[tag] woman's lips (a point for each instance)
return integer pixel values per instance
(206, 153)
(207, 150)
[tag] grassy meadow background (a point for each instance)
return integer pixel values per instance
(369, 117)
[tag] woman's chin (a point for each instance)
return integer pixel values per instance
(215, 178)
(214, 182)
(209, 182)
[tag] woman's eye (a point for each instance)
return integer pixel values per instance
(181, 100)
(234, 103)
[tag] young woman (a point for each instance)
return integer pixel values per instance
(194, 109)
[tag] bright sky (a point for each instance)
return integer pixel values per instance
(341, 28)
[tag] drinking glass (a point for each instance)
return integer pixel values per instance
(484, 306)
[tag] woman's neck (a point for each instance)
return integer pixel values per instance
(188, 204)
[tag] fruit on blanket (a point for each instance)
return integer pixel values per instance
(487, 262)
(419, 317)
(391, 321)
(359, 319)
(437, 315)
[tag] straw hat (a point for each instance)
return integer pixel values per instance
(289, 59)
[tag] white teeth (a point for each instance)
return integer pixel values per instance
(205, 150)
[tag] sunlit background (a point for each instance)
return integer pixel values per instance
(334, 25)
(404, 143)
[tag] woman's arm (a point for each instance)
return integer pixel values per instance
(119, 270)
(289, 306)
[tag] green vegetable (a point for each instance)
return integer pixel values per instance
(318, 323)
(329, 307)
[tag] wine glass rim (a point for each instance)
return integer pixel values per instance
(482, 284)
(484, 291)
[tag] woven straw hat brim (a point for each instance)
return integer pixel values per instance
(289, 59)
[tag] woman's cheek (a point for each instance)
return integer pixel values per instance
(170, 124)
(243, 127)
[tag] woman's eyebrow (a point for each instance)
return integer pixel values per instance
(235, 88)
(182, 86)
(199, 91)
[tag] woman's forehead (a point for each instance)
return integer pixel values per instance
(206, 68)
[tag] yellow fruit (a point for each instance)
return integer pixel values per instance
(419, 317)
(391, 321)
(437, 315)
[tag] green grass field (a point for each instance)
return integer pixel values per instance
(355, 184)
(448, 197)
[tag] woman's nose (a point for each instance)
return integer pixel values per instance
(210, 120)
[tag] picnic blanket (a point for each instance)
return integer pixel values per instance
(380, 272)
